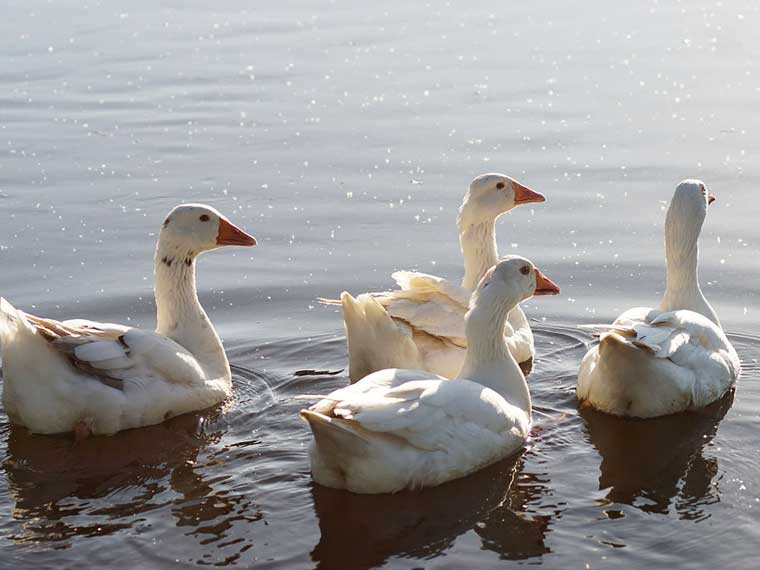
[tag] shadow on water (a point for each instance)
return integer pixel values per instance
(363, 531)
(64, 491)
(231, 485)
(657, 463)
(498, 504)
(57, 484)
(664, 463)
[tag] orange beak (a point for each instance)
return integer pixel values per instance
(232, 235)
(544, 285)
(710, 198)
(525, 195)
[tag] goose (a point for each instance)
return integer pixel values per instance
(654, 362)
(402, 429)
(421, 325)
(100, 378)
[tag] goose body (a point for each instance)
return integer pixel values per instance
(652, 362)
(400, 429)
(421, 324)
(100, 378)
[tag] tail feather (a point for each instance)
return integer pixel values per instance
(612, 342)
(374, 311)
(336, 437)
(619, 343)
(618, 352)
(627, 379)
(375, 340)
(9, 318)
(7, 309)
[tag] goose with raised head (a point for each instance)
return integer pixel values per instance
(653, 362)
(100, 378)
(421, 325)
(402, 429)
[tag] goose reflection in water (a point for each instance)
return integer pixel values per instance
(363, 531)
(65, 490)
(655, 463)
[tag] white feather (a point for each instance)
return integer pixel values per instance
(652, 362)
(429, 310)
(114, 377)
(398, 429)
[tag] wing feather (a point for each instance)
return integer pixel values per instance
(663, 334)
(94, 350)
(437, 315)
(427, 414)
(114, 353)
(421, 283)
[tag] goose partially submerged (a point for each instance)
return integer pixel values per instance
(421, 325)
(100, 378)
(401, 429)
(653, 362)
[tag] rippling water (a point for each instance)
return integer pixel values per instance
(343, 138)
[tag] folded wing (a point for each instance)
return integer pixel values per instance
(430, 415)
(665, 335)
(428, 303)
(115, 354)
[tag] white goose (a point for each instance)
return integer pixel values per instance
(402, 429)
(100, 378)
(652, 362)
(422, 324)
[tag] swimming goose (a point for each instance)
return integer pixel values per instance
(100, 378)
(422, 324)
(401, 429)
(653, 362)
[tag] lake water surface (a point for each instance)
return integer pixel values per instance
(343, 136)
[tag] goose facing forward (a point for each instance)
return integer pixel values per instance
(100, 378)
(401, 429)
(653, 362)
(422, 324)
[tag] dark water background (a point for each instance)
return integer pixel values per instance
(343, 136)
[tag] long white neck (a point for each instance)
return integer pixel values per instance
(478, 242)
(488, 360)
(180, 315)
(682, 258)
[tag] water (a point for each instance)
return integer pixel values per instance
(343, 139)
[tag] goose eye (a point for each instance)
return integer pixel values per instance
(525, 270)
(204, 218)
(166, 222)
(500, 185)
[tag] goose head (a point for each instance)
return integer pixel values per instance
(686, 214)
(510, 281)
(488, 360)
(191, 229)
(490, 196)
